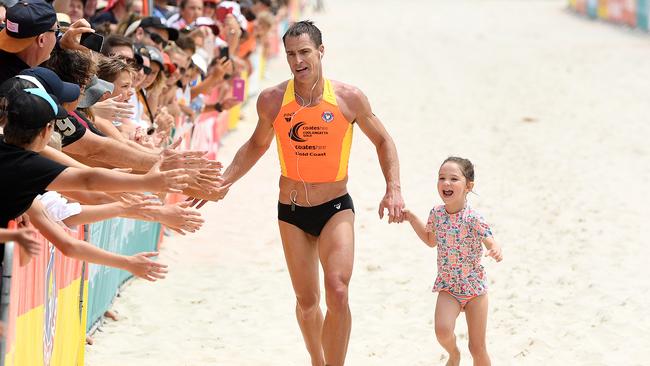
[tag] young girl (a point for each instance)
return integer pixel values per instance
(458, 231)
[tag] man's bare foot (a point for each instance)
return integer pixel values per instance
(454, 358)
(111, 315)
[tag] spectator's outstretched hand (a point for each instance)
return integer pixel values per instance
(171, 181)
(180, 217)
(112, 109)
(141, 266)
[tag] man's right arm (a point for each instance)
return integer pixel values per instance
(258, 143)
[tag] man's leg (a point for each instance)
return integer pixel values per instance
(336, 250)
(301, 255)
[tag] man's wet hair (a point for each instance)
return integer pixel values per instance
(304, 27)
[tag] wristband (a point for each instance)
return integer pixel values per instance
(218, 107)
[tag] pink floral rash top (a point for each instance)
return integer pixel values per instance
(460, 248)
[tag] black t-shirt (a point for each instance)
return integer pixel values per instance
(25, 174)
(10, 66)
(70, 129)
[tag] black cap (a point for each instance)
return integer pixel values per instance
(33, 108)
(26, 20)
(65, 92)
(155, 22)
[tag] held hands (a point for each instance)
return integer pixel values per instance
(394, 203)
(495, 253)
(141, 266)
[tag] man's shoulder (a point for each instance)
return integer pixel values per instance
(270, 99)
(347, 92)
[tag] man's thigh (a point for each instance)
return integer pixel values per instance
(301, 254)
(336, 247)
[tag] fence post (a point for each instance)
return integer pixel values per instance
(7, 267)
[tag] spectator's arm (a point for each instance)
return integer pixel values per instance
(56, 155)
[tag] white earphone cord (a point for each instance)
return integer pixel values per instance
(294, 194)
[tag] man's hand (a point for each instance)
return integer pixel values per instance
(141, 266)
(72, 36)
(394, 203)
(215, 195)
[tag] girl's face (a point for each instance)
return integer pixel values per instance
(453, 187)
(123, 86)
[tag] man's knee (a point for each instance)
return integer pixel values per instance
(477, 349)
(336, 292)
(308, 303)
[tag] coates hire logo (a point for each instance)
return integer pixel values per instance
(293, 132)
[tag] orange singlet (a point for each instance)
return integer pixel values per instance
(314, 143)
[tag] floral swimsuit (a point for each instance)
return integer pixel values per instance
(460, 247)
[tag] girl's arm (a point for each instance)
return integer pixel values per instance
(140, 264)
(428, 237)
(494, 249)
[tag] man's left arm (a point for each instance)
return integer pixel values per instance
(372, 127)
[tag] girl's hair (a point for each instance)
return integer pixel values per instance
(72, 66)
(466, 166)
(109, 68)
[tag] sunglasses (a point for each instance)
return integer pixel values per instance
(210, 5)
(56, 31)
(156, 38)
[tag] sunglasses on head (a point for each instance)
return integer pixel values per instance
(210, 5)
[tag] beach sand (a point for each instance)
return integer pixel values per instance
(553, 111)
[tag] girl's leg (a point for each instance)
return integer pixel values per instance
(476, 314)
(447, 310)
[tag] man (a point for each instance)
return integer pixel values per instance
(312, 119)
(151, 31)
(30, 36)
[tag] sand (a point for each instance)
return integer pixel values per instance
(553, 111)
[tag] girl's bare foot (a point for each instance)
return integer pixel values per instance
(111, 315)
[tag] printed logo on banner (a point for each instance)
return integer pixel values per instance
(328, 116)
(49, 324)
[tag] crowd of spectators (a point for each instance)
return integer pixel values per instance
(93, 95)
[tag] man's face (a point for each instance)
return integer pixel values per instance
(156, 37)
(303, 57)
(124, 51)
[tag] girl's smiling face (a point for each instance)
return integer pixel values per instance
(452, 184)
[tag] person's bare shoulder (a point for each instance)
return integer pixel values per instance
(269, 101)
(350, 99)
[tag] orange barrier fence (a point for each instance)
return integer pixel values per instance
(46, 315)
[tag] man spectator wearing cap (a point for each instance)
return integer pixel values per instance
(151, 31)
(30, 36)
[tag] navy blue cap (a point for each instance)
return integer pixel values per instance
(26, 20)
(65, 92)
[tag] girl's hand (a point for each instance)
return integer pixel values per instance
(406, 215)
(141, 266)
(113, 108)
(495, 253)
